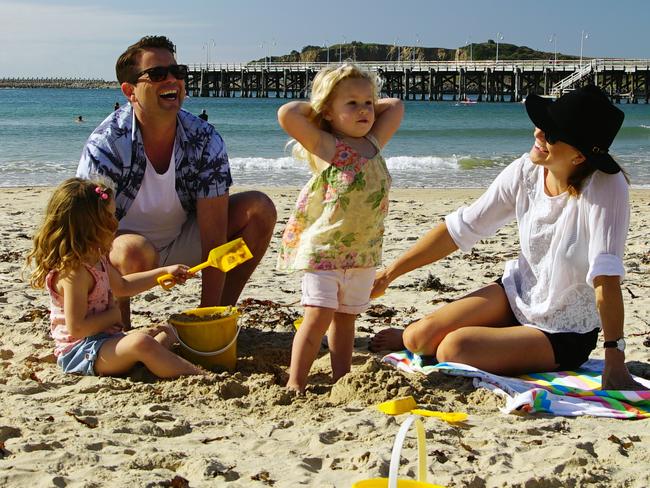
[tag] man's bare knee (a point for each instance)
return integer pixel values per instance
(266, 211)
(132, 253)
(252, 213)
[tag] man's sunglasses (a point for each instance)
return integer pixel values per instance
(159, 73)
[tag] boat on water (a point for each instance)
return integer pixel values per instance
(466, 101)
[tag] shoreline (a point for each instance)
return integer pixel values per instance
(243, 429)
(401, 191)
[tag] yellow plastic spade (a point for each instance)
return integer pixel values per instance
(398, 406)
(407, 405)
(225, 257)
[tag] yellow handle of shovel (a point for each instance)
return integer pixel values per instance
(166, 281)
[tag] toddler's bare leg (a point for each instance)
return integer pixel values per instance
(306, 345)
(341, 343)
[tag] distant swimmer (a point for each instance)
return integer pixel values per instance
(80, 118)
(203, 115)
(117, 105)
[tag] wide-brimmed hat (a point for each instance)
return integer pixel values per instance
(583, 118)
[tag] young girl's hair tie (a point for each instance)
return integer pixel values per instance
(101, 192)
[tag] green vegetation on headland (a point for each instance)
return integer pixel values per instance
(359, 51)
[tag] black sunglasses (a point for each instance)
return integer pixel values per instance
(550, 137)
(159, 73)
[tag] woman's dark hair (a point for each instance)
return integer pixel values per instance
(580, 175)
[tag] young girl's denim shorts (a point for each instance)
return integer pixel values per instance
(81, 358)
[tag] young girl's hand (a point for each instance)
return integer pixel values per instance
(116, 316)
(154, 330)
(179, 272)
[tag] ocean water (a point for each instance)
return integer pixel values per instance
(439, 145)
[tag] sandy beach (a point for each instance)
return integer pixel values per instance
(243, 429)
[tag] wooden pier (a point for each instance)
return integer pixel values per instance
(486, 81)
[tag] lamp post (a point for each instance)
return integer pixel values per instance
(499, 38)
(327, 46)
(397, 48)
(583, 35)
(553, 39)
(415, 48)
(206, 46)
(267, 53)
(340, 48)
(469, 42)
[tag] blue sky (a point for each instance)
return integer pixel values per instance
(83, 38)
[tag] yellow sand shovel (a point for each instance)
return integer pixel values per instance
(407, 404)
(225, 257)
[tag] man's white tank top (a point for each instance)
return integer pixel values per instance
(156, 211)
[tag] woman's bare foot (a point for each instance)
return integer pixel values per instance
(387, 340)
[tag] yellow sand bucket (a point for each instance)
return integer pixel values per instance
(212, 342)
(392, 481)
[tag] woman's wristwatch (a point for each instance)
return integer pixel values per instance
(618, 344)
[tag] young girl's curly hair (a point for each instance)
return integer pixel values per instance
(78, 225)
(323, 88)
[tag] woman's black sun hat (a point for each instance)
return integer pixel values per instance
(583, 118)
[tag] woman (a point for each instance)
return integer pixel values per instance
(570, 199)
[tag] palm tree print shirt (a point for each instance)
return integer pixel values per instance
(115, 150)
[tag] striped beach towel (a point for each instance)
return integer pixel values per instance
(567, 393)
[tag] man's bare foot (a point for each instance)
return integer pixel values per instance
(387, 340)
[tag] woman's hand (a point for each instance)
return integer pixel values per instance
(380, 284)
(616, 375)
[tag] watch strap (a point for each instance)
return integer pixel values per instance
(610, 344)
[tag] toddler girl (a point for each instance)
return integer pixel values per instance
(336, 230)
(70, 260)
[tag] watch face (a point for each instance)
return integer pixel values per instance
(620, 344)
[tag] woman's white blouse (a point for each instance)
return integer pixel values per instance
(565, 242)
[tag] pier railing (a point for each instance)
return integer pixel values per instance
(504, 80)
(535, 64)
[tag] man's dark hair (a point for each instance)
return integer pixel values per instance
(125, 66)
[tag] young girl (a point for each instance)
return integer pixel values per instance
(70, 260)
(335, 232)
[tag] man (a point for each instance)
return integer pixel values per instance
(203, 115)
(172, 176)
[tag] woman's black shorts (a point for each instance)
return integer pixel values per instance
(571, 349)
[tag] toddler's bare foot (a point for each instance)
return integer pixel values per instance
(295, 388)
(387, 340)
